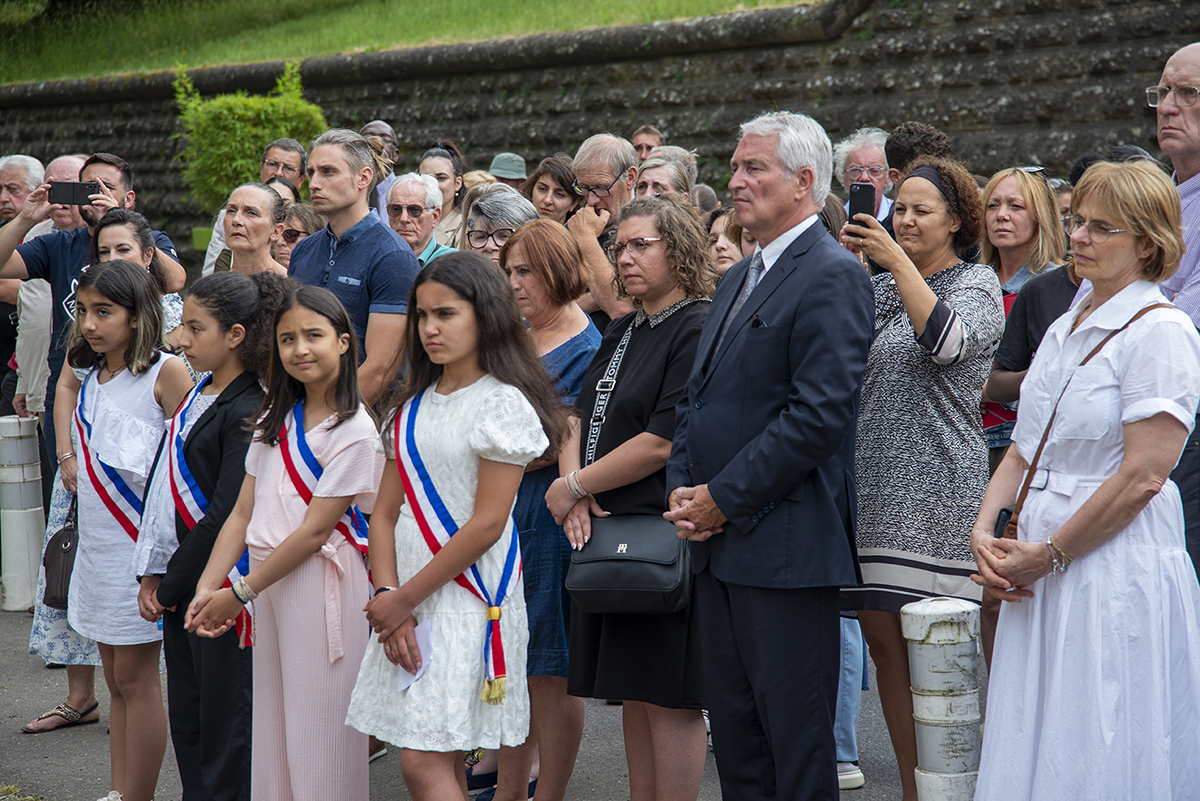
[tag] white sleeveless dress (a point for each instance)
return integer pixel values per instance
(127, 424)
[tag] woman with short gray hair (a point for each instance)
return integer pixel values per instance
(491, 220)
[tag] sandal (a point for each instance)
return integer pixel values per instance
(71, 717)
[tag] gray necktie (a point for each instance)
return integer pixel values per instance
(752, 276)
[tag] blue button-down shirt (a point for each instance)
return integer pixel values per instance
(369, 267)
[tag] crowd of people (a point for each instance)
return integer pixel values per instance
(411, 401)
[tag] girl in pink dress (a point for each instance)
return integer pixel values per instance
(310, 472)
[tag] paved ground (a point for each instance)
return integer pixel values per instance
(72, 765)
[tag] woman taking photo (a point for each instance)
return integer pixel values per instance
(921, 455)
(254, 221)
(446, 163)
(651, 662)
(544, 267)
(1100, 662)
(550, 189)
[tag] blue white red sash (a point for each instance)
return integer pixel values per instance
(192, 505)
(121, 501)
(437, 527)
(305, 471)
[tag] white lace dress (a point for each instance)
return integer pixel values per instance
(442, 711)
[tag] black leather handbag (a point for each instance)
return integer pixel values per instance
(633, 564)
(59, 560)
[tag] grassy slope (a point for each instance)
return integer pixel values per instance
(162, 34)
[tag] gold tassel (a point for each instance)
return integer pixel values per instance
(494, 691)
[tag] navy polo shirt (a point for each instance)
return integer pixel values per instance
(370, 269)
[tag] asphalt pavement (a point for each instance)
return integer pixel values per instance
(72, 765)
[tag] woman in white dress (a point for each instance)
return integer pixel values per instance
(1095, 684)
(476, 407)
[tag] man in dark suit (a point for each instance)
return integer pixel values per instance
(763, 469)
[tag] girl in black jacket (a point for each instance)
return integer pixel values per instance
(196, 479)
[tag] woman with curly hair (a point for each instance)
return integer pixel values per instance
(922, 459)
(651, 662)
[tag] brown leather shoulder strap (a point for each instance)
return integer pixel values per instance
(1010, 532)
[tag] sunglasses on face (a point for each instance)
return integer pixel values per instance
(414, 210)
(291, 236)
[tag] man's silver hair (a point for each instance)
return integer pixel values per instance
(502, 209)
(802, 143)
(433, 194)
(863, 137)
(608, 152)
(35, 173)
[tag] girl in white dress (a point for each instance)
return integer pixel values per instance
(476, 407)
(132, 387)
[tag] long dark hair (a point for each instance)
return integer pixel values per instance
(140, 228)
(283, 391)
(506, 350)
(249, 301)
(449, 150)
(129, 286)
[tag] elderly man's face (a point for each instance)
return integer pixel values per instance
(284, 163)
(867, 165)
(385, 132)
(1179, 125)
(611, 192)
(13, 191)
(417, 229)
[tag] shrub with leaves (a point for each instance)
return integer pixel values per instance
(225, 134)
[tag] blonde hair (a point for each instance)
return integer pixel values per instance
(1049, 242)
(1137, 197)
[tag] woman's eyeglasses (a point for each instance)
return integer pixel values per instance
(291, 236)
(636, 247)
(1098, 232)
(478, 239)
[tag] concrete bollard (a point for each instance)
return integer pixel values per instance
(943, 655)
(22, 520)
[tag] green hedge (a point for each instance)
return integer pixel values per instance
(226, 134)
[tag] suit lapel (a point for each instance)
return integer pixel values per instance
(236, 387)
(784, 266)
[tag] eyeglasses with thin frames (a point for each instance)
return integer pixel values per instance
(598, 191)
(635, 246)
(854, 173)
(286, 169)
(1098, 233)
(1185, 96)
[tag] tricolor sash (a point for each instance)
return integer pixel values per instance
(437, 527)
(121, 501)
(192, 505)
(305, 471)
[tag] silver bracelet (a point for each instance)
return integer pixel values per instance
(577, 490)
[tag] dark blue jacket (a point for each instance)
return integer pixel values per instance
(769, 423)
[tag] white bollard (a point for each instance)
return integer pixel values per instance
(22, 520)
(943, 654)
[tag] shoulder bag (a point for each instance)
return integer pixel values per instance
(1006, 519)
(59, 560)
(633, 564)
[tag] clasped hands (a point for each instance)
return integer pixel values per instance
(694, 513)
(391, 617)
(1007, 567)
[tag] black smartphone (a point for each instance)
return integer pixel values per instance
(862, 200)
(73, 193)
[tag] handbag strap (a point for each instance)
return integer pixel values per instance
(604, 390)
(1010, 532)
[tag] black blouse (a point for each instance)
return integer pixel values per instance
(652, 378)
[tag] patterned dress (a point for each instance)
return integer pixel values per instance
(922, 461)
